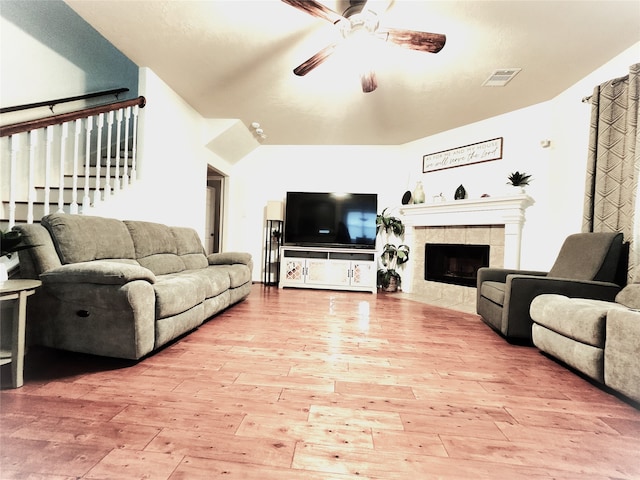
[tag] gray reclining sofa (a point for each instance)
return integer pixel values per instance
(123, 288)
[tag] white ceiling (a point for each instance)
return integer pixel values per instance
(234, 60)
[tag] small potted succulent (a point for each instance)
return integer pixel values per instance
(519, 179)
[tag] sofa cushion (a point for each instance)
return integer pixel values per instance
(155, 247)
(82, 238)
(579, 319)
(493, 291)
(189, 247)
(177, 293)
(573, 263)
(216, 280)
(584, 358)
(239, 274)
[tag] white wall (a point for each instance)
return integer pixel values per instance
(270, 171)
(47, 51)
(558, 171)
(173, 155)
(173, 159)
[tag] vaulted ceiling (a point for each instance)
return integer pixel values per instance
(233, 59)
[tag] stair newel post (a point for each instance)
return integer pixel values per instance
(134, 146)
(117, 185)
(73, 208)
(15, 149)
(86, 200)
(33, 144)
(47, 170)
(107, 185)
(125, 165)
(64, 132)
(96, 192)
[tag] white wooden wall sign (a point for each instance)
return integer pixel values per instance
(460, 156)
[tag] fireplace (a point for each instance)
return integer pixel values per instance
(457, 264)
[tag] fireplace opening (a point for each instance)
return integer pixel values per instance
(454, 263)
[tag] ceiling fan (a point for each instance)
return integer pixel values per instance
(357, 21)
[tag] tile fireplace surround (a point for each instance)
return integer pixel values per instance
(495, 221)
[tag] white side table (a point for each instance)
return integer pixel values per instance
(17, 290)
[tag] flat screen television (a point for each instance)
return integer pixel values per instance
(330, 219)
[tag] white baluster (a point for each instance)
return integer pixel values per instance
(63, 146)
(86, 200)
(118, 185)
(47, 169)
(107, 185)
(134, 149)
(125, 165)
(33, 143)
(96, 192)
(73, 208)
(15, 149)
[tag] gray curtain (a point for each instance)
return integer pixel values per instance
(613, 164)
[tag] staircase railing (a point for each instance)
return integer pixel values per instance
(90, 151)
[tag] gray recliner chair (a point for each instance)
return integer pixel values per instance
(587, 267)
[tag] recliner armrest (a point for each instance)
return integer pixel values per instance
(490, 274)
(98, 272)
(526, 285)
(520, 290)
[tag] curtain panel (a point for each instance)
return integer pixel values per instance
(613, 163)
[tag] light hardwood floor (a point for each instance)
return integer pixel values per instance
(319, 385)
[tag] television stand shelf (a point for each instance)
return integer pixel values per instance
(328, 268)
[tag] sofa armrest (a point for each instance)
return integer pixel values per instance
(98, 272)
(520, 290)
(492, 274)
(229, 258)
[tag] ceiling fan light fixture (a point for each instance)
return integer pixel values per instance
(258, 131)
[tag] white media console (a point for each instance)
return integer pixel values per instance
(328, 268)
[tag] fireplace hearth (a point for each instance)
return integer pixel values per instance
(452, 263)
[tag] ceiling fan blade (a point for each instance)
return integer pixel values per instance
(314, 61)
(423, 41)
(316, 9)
(369, 82)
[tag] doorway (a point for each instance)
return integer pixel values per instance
(213, 223)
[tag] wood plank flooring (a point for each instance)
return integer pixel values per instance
(320, 385)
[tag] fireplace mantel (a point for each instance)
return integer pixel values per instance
(480, 211)
(504, 210)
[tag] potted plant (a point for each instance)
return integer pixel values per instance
(10, 242)
(392, 256)
(518, 179)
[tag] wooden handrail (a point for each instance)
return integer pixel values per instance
(52, 103)
(68, 117)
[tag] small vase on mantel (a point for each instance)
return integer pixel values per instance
(460, 194)
(418, 193)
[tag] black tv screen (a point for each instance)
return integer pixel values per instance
(331, 219)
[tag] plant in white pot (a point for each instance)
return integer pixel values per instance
(389, 227)
(518, 179)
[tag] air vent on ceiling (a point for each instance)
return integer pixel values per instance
(499, 78)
